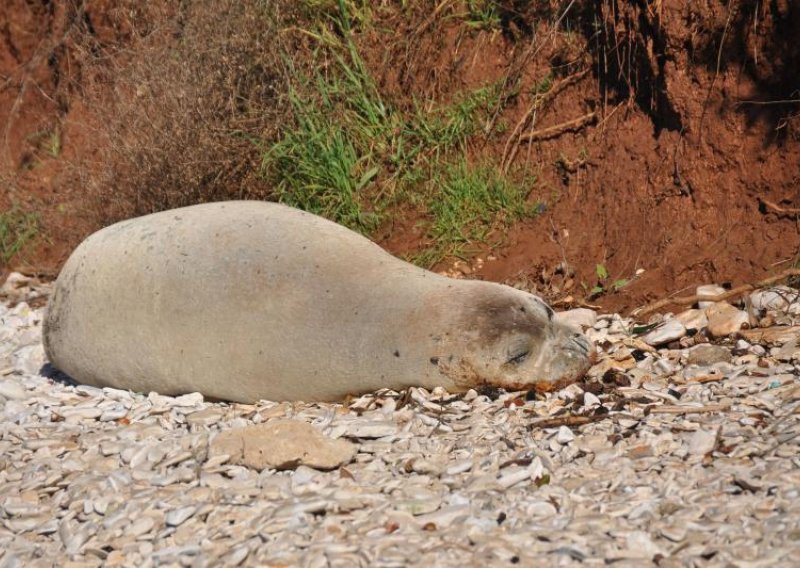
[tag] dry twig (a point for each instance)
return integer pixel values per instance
(688, 300)
(568, 420)
(676, 409)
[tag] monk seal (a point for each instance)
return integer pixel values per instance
(248, 300)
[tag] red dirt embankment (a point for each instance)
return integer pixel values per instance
(670, 141)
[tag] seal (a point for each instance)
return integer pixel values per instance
(248, 300)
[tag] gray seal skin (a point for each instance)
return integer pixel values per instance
(247, 300)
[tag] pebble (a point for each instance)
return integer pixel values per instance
(11, 390)
(708, 290)
(140, 526)
(725, 320)
(565, 435)
(693, 319)
(702, 441)
(177, 517)
(667, 453)
(670, 330)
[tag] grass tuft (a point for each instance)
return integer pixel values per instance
(469, 204)
(17, 229)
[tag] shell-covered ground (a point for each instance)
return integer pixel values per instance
(679, 455)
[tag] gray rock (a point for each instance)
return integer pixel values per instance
(283, 444)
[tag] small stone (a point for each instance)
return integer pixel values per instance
(191, 399)
(590, 400)
(565, 435)
(702, 442)
(513, 476)
(237, 556)
(724, 319)
(11, 390)
(580, 318)
(140, 526)
(177, 517)
(790, 351)
(693, 319)
(708, 290)
(418, 507)
(666, 332)
(282, 444)
(427, 467)
(707, 354)
(675, 533)
(205, 417)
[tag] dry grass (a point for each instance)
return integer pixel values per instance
(181, 114)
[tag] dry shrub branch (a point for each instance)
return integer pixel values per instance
(183, 113)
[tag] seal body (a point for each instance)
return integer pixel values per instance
(247, 300)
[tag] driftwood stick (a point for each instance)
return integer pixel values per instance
(679, 409)
(567, 420)
(688, 300)
(559, 129)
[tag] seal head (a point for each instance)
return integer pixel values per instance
(510, 340)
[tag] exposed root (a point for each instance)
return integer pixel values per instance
(779, 209)
(559, 129)
(516, 137)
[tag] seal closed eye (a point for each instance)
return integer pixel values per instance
(517, 359)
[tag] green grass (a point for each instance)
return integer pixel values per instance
(17, 229)
(469, 202)
(351, 156)
(482, 14)
(48, 142)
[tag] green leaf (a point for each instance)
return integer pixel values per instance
(640, 329)
(601, 271)
(367, 177)
(596, 290)
(621, 283)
